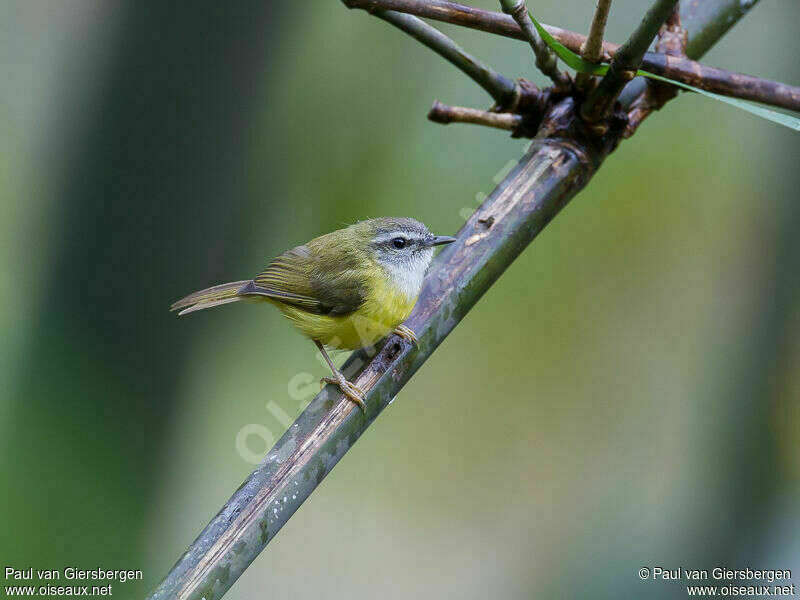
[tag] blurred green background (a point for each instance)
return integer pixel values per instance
(626, 395)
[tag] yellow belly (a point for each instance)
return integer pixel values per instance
(385, 308)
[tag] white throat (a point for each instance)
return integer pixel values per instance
(407, 277)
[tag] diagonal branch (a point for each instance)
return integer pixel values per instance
(710, 20)
(504, 91)
(553, 171)
(626, 62)
(546, 60)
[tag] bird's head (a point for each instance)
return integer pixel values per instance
(404, 248)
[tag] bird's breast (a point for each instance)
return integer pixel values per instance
(389, 303)
(385, 306)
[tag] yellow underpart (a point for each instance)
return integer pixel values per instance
(384, 309)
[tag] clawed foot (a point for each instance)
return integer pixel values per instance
(350, 390)
(406, 333)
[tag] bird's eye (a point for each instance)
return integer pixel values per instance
(399, 242)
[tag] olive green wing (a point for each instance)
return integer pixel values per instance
(312, 279)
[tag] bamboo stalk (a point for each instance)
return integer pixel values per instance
(705, 22)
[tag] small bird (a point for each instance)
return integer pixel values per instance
(346, 289)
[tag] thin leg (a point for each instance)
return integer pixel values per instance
(350, 390)
(406, 333)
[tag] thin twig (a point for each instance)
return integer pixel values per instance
(592, 48)
(625, 62)
(444, 115)
(706, 17)
(546, 60)
(504, 91)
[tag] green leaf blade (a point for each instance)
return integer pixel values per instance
(765, 113)
(568, 56)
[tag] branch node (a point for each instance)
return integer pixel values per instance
(598, 129)
(513, 105)
(511, 7)
(672, 37)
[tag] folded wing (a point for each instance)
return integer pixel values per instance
(318, 280)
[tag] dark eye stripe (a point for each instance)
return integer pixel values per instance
(409, 241)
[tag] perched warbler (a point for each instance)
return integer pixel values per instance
(346, 289)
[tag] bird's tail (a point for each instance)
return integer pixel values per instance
(209, 297)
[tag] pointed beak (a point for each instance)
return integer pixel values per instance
(441, 240)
